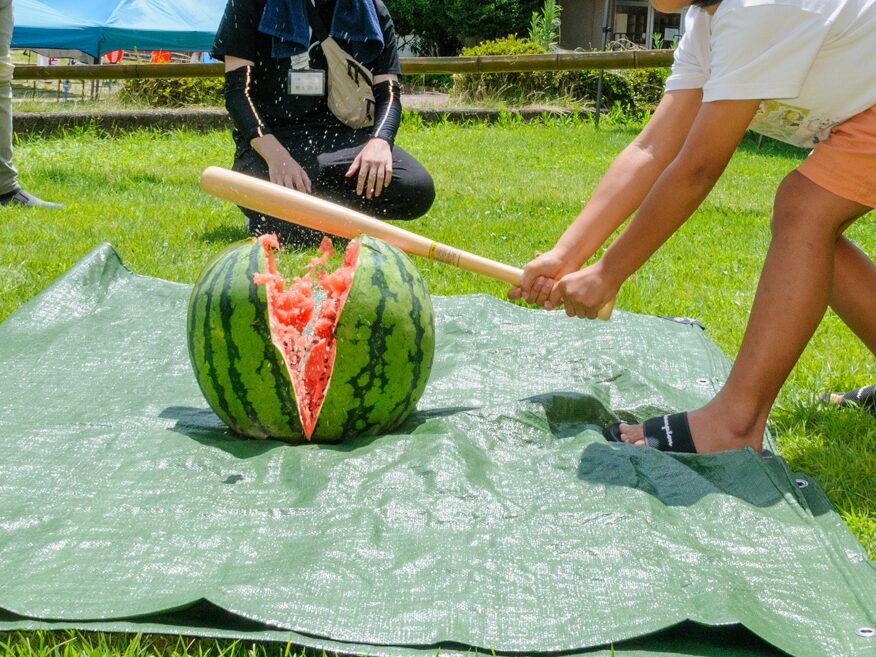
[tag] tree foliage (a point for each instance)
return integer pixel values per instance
(443, 27)
(173, 92)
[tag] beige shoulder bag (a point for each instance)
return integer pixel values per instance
(350, 97)
(349, 87)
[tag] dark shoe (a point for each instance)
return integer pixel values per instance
(865, 397)
(22, 197)
(668, 433)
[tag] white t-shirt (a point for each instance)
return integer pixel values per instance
(812, 62)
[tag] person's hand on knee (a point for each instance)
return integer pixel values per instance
(283, 169)
(287, 172)
(374, 166)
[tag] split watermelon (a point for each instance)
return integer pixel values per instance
(273, 364)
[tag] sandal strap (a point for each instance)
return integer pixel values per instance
(669, 433)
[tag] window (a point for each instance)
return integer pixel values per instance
(636, 22)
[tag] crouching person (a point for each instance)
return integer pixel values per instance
(312, 90)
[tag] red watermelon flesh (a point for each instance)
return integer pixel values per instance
(309, 354)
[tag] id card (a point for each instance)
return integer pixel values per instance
(307, 83)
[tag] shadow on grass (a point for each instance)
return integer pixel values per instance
(837, 446)
(225, 234)
(754, 143)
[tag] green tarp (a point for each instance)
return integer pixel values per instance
(497, 517)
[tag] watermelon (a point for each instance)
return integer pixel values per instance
(272, 363)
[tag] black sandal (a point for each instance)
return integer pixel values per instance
(668, 433)
(865, 397)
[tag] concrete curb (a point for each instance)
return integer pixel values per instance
(53, 123)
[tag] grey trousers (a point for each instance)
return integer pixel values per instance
(8, 174)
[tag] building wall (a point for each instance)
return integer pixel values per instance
(581, 24)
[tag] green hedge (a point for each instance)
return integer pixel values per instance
(174, 92)
(635, 90)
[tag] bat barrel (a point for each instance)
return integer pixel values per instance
(327, 217)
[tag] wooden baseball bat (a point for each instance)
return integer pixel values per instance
(327, 217)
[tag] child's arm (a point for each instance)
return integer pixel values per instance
(621, 190)
(716, 132)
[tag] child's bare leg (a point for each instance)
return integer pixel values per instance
(854, 288)
(792, 295)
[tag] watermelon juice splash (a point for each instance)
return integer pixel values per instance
(308, 344)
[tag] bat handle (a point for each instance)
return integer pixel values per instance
(605, 312)
(491, 268)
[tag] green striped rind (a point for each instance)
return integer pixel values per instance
(385, 341)
(240, 371)
(385, 346)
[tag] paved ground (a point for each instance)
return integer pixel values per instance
(426, 100)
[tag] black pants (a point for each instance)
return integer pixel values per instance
(326, 152)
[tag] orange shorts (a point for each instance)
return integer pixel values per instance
(845, 162)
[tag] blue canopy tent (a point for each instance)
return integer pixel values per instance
(95, 27)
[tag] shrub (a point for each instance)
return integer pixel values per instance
(646, 85)
(635, 91)
(512, 87)
(173, 92)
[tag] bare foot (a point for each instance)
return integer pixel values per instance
(711, 432)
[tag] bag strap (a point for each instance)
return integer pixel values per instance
(316, 23)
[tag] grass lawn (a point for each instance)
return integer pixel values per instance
(504, 191)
